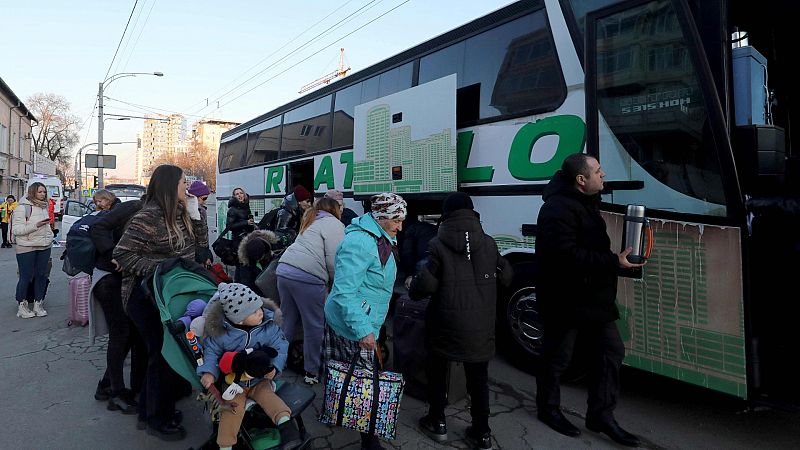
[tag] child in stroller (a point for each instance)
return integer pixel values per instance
(175, 284)
(239, 319)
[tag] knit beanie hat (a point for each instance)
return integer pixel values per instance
(238, 301)
(456, 201)
(388, 206)
(199, 189)
(301, 193)
(336, 195)
(255, 249)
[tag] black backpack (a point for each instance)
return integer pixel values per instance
(270, 220)
(80, 253)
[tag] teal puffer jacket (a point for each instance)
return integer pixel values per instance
(362, 287)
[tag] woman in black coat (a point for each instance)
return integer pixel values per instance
(461, 277)
(239, 220)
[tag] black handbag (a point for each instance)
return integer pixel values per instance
(226, 249)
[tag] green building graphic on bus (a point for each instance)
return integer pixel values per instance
(387, 158)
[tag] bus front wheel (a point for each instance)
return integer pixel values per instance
(519, 323)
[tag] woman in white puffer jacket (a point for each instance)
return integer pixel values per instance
(31, 224)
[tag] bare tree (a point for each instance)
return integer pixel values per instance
(198, 161)
(57, 131)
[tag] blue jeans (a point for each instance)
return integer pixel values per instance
(33, 268)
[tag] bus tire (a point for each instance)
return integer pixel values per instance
(520, 329)
(519, 326)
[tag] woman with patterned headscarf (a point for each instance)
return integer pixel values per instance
(362, 287)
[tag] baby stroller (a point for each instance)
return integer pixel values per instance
(175, 283)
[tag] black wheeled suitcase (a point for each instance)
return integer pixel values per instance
(408, 336)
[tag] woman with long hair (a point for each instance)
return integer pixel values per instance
(239, 219)
(31, 225)
(305, 272)
(168, 225)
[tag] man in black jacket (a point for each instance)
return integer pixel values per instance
(461, 277)
(577, 292)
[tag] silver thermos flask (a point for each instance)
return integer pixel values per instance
(637, 234)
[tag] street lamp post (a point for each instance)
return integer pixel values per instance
(103, 83)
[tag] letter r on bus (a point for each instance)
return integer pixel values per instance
(274, 178)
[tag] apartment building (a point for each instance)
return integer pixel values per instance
(161, 135)
(16, 151)
(208, 132)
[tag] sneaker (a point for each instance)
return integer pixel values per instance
(479, 440)
(38, 310)
(290, 435)
(310, 379)
(23, 311)
(433, 428)
(103, 391)
(123, 402)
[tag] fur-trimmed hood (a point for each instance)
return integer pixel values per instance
(217, 324)
(264, 235)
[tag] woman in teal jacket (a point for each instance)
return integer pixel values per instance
(362, 287)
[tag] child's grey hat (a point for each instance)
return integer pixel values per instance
(238, 301)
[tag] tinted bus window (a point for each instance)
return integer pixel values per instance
(307, 129)
(390, 82)
(510, 69)
(344, 109)
(232, 152)
(395, 80)
(264, 141)
(650, 96)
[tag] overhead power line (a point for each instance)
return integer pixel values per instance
(270, 55)
(317, 37)
(311, 55)
(121, 38)
(94, 106)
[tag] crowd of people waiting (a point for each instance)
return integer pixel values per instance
(335, 274)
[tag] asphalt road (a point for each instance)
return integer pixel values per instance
(50, 371)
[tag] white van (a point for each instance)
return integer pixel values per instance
(54, 187)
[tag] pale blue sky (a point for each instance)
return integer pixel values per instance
(204, 48)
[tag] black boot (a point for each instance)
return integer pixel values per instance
(614, 431)
(167, 432)
(435, 429)
(290, 435)
(370, 442)
(103, 391)
(555, 419)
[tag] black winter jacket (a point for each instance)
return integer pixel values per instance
(237, 217)
(578, 271)
(107, 231)
(461, 278)
(414, 245)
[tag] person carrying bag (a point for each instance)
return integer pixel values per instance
(226, 249)
(354, 392)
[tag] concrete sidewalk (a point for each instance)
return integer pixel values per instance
(50, 372)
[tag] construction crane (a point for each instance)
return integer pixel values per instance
(340, 71)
